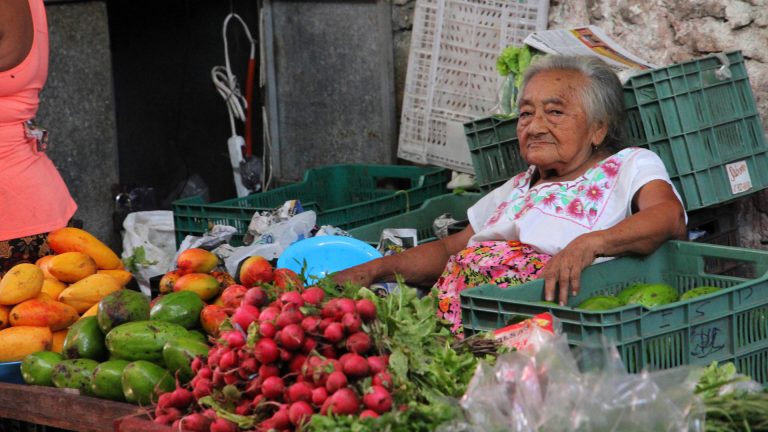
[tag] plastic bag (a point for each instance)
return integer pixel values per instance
(152, 231)
(554, 390)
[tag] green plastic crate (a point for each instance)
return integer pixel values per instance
(494, 150)
(728, 325)
(421, 219)
(345, 196)
(699, 122)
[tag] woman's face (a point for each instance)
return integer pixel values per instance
(552, 128)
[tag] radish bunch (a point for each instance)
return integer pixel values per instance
(301, 356)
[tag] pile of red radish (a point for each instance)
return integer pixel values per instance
(303, 357)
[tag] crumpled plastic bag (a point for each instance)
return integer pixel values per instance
(153, 231)
(555, 390)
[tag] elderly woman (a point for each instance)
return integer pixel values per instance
(582, 198)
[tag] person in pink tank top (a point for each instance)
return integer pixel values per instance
(34, 199)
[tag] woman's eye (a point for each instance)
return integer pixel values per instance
(525, 113)
(555, 112)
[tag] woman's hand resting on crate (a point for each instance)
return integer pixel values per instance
(583, 197)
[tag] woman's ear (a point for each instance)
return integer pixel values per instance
(599, 132)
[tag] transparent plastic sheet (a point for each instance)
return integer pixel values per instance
(555, 390)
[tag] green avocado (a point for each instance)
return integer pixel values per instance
(182, 308)
(629, 291)
(85, 340)
(198, 336)
(74, 373)
(120, 307)
(106, 381)
(36, 368)
(698, 291)
(142, 340)
(142, 382)
(601, 302)
(653, 295)
(179, 353)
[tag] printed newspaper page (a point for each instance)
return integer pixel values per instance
(588, 40)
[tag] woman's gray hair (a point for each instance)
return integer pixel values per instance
(602, 97)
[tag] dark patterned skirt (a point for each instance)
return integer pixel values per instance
(23, 250)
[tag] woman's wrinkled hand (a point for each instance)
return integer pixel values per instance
(563, 271)
(359, 275)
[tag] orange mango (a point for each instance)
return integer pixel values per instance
(122, 276)
(43, 311)
(211, 318)
(168, 281)
(43, 262)
(202, 284)
(71, 267)
(84, 293)
(77, 240)
(93, 310)
(53, 287)
(255, 269)
(57, 342)
(4, 319)
(224, 278)
(19, 341)
(21, 282)
(196, 260)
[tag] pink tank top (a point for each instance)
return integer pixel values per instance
(33, 197)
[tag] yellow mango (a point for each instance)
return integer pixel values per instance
(70, 267)
(122, 276)
(4, 320)
(85, 293)
(22, 282)
(53, 287)
(77, 240)
(93, 310)
(17, 342)
(43, 311)
(43, 262)
(57, 343)
(202, 284)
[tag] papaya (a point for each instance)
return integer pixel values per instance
(120, 307)
(168, 281)
(599, 303)
(142, 382)
(653, 295)
(37, 368)
(202, 284)
(629, 291)
(22, 282)
(53, 287)
(17, 342)
(71, 267)
(43, 262)
(57, 342)
(87, 292)
(43, 311)
(85, 340)
(4, 318)
(106, 381)
(142, 340)
(698, 291)
(182, 308)
(74, 374)
(121, 276)
(77, 240)
(196, 260)
(178, 355)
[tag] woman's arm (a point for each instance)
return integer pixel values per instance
(421, 265)
(659, 217)
(16, 32)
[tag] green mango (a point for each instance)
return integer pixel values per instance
(120, 307)
(74, 373)
(182, 308)
(629, 291)
(198, 336)
(106, 381)
(599, 303)
(653, 295)
(142, 382)
(698, 291)
(85, 340)
(179, 353)
(36, 368)
(142, 340)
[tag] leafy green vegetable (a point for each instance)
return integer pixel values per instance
(139, 258)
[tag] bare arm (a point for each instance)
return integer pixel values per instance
(421, 265)
(16, 32)
(659, 217)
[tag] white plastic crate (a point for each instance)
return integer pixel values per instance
(452, 76)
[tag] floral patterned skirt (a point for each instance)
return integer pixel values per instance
(504, 263)
(23, 250)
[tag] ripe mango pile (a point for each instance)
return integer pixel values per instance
(40, 301)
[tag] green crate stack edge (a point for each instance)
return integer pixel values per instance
(344, 196)
(728, 325)
(697, 123)
(420, 219)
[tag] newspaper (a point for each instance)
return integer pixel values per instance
(588, 40)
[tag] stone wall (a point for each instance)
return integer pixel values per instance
(663, 32)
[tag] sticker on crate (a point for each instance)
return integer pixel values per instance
(528, 334)
(738, 176)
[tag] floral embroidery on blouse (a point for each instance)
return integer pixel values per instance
(581, 200)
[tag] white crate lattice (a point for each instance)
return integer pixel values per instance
(452, 77)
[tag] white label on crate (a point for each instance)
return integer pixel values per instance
(738, 175)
